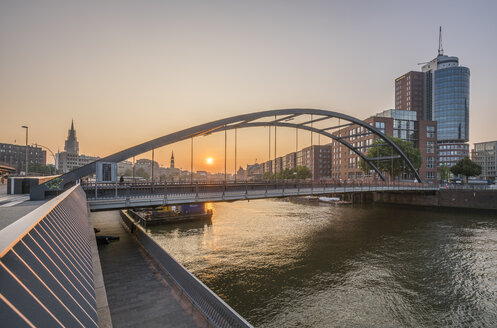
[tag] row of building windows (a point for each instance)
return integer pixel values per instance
(461, 146)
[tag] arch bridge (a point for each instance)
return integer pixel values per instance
(330, 124)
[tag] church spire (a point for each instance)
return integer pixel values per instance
(72, 144)
(172, 160)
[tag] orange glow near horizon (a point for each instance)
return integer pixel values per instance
(209, 160)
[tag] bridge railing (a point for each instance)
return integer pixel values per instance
(46, 267)
(97, 191)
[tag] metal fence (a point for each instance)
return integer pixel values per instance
(216, 311)
(98, 191)
(46, 270)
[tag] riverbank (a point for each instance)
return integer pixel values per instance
(448, 198)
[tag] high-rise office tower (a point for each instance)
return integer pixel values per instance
(409, 89)
(441, 96)
(446, 91)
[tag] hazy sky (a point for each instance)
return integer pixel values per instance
(130, 71)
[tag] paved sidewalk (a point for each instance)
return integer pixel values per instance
(14, 207)
(139, 294)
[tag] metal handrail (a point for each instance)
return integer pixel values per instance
(13, 233)
(147, 190)
(46, 265)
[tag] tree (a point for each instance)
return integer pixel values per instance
(444, 172)
(299, 172)
(394, 167)
(38, 168)
(303, 172)
(128, 173)
(466, 167)
(268, 176)
(140, 172)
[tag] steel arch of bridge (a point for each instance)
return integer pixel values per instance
(239, 121)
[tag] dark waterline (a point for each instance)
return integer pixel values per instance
(280, 263)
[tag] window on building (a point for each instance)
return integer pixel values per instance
(430, 162)
(430, 147)
(380, 126)
(430, 131)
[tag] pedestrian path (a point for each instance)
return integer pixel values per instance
(138, 292)
(12, 200)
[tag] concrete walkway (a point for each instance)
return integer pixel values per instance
(139, 294)
(14, 207)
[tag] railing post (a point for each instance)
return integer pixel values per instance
(96, 193)
(265, 193)
(196, 190)
(298, 187)
(165, 192)
(246, 188)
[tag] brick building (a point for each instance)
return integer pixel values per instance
(409, 93)
(316, 157)
(401, 124)
(15, 156)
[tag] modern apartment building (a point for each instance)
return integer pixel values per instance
(485, 155)
(398, 123)
(316, 157)
(409, 89)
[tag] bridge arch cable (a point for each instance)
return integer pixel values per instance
(239, 121)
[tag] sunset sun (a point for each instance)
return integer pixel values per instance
(209, 160)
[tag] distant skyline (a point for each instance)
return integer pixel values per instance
(129, 71)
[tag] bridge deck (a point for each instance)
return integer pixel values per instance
(119, 197)
(138, 292)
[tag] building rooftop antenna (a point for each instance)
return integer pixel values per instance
(440, 48)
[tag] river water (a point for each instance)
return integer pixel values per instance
(285, 264)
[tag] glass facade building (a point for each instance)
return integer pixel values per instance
(404, 123)
(451, 103)
(446, 96)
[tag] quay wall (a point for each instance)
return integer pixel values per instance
(452, 198)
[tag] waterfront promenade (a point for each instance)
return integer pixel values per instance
(138, 292)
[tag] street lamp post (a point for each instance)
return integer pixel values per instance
(51, 152)
(27, 163)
